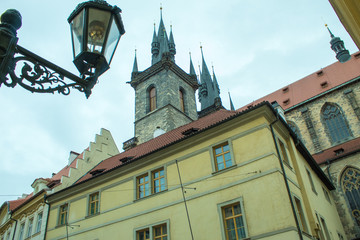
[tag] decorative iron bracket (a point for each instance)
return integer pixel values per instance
(39, 75)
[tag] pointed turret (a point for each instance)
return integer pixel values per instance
(155, 44)
(172, 44)
(337, 45)
(232, 108)
(135, 67)
(192, 69)
(209, 91)
(216, 85)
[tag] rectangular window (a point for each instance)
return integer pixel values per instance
(29, 230)
(311, 181)
(300, 215)
(143, 186)
(158, 180)
(234, 222)
(63, 212)
(153, 232)
(39, 222)
(143, 234)
(327, 196)
(160, 232)
(323, 223)
(319, 228)
(222, 156)
(93, 204)
(150, 183)
(21, 232)
(283, 153)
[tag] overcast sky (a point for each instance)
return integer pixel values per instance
(255, 46)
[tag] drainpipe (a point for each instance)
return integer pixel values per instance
(285, 179)
(15, 225)
(47, 217)
(328, 170)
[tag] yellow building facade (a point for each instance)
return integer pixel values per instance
(236, 175)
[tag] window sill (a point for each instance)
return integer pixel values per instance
(224, 170)
(93, 215)
(151, 195)
(60, 225)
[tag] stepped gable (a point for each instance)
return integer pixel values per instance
(317, 83)
(338, 151)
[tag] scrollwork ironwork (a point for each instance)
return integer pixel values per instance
(37, 77)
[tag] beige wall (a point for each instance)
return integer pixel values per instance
(255, 179)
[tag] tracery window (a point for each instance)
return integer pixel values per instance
(350, 183)
(335, 123)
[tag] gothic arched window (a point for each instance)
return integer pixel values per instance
(182, 100)
(335, 123)
(350, 183)
(152, 99)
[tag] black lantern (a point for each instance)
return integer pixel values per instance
(96, 28)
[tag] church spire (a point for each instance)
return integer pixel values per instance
(337, 45)
(161, 43)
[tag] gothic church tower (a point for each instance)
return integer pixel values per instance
(164, 93)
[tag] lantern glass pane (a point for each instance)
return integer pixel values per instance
(97, 29)
(77, 30)
(112, 41)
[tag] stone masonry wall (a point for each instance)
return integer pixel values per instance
(167, 85)
(314, 109)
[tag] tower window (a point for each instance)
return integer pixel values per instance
(152, 98)
(182, 102)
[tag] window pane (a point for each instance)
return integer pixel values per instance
(227, 156)
(218, 150)
(237, 209)
(112, 41)
(221, 166)
(219, 159)
(226, 148)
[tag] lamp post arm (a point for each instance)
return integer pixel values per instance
(42, 76)
(37, 58)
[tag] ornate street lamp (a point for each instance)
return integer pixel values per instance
(96, 28)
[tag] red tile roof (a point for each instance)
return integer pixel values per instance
(161, 141)
(339, 151)
(16, 203)
(314, 84)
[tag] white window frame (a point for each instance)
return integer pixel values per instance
(30, 227)
(38, 227)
